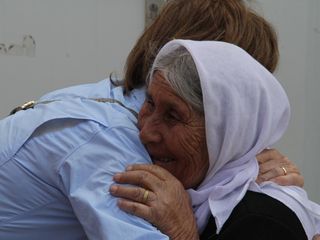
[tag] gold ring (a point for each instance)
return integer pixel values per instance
(145, 195)
(285, 172)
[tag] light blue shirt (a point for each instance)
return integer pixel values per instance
(57, 161)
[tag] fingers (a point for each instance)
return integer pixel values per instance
(277, 175)
(136, 208)
(146, 175)
(273, 166)
(140, 178)
(158, 171)
(316, 237)
(267, 173)
(275, 172)
(135, 200)
(273, 163)
(136, 194)
(291, 179)
(268, 154)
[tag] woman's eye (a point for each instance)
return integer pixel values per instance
(173, 116)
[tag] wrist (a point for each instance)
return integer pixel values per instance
(188, 232)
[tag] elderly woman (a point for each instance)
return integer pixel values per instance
(210, 109)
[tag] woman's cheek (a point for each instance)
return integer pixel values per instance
(141, 116)
(193, 159)
(191, 142)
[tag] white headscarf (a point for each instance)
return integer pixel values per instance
(246, 110)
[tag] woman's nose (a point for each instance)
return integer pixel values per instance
(150, 131)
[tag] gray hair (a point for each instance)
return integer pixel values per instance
(179, 69)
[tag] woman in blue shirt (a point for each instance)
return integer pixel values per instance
(57, 159)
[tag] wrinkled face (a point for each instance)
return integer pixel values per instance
(173, 133)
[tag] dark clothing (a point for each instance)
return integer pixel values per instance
(258, 217)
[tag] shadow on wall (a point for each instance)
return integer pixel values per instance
(26, 48)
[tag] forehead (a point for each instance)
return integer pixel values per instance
(161, 91)
(159, 82)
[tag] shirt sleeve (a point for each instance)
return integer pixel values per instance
(86, 175)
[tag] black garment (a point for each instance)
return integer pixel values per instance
(258, 217)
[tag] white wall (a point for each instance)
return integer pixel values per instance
(312, 123)
(298, 26)
(80, 41)
(77, 41)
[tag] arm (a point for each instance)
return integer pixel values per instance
(84, 176)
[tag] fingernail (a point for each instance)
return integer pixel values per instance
(129, 168)
(119, 202)
(117, 176)
(113, 189)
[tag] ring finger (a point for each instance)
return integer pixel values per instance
(136, 194)
(275, 172)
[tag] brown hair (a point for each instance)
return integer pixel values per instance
(221, 20)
